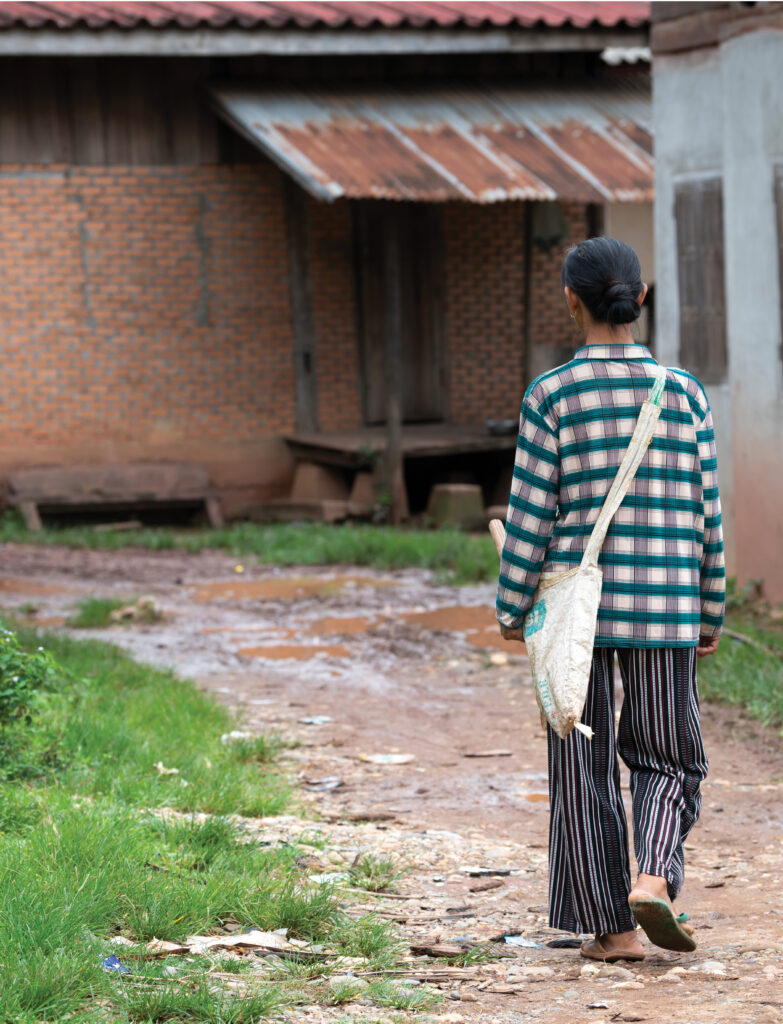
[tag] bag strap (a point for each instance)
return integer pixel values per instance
(642, 435)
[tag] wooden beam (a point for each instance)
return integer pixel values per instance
(301, 285)
(393, 458)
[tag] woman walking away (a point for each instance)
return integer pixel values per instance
(661, 607)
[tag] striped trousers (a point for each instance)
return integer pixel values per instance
(659, 739)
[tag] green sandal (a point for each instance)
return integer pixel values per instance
(660, 925)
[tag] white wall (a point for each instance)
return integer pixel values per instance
(752, 76)
(688, 131)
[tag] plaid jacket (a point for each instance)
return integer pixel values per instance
(664, 576)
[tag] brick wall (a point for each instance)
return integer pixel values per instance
(485, 299)
(484, 309)
(144, 303)
(335, 315)
(145, 313)
(553, 335)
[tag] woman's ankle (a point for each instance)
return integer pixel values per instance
(654, 885)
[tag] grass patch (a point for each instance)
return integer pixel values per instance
(455, 557)
(376, 874)
(95, 612)
(748, 667)
(385, 992)
(83, 857)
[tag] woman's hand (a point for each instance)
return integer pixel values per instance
(512, 634)
(707, 645)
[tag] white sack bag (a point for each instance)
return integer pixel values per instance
(560, 627)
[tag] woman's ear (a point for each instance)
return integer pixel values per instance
(643, 295)
(572, 301)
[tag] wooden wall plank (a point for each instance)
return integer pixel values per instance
(698, 210)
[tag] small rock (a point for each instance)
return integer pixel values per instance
(714, 967)
(589, 970)
(468, 997)
(671, 977)
(613, 971)
(603, 1005)
(341, 982)
(628, 984)
(534, 973)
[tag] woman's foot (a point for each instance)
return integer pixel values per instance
(652, 908)
(612, 947)
(654, 885)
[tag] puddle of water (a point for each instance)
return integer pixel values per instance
(477, 622)
(284, 589)
(535, 798)
(349, 626)
(277, 652)
(12, 586)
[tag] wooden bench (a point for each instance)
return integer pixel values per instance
(136, 485)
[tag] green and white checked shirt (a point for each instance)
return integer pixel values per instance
(664, 575)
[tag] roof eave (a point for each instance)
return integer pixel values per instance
(200, 42)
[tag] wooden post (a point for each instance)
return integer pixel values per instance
(393, 463)
(301, 285)
(527, 329)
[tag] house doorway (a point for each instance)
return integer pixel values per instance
(419, 269)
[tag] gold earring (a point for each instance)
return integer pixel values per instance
(573, 316)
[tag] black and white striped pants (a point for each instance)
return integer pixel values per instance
(659, 739)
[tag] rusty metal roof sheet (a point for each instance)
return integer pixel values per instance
(129, 14)
(480, 144)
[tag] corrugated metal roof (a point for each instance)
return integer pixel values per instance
(480, 144)
(308, 14)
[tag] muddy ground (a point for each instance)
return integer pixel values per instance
(395, 664)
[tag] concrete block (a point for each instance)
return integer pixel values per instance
(313, 482)
(363, 491)
(457, 505)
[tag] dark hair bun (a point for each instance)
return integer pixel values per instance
(620, 304)
(606, 275)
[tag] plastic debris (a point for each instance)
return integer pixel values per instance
(387, 758)
(113, 963)
(520, 940)
(236, 734)
(315, 720)
(324, 783)
(564, 943)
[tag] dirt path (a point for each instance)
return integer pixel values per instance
(373, 655)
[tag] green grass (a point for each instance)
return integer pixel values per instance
(95, 612)
(456, 557)
(376, 874)
(83, 857)
(743, 673)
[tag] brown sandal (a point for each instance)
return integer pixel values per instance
(594, 949)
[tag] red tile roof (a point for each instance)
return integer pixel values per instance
(307, 14)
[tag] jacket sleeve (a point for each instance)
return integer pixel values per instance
(532, 512)
(712, 582)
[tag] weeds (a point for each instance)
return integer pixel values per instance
(83, 856)
(454, 556)
(95, 612)
(376, 874)
(399, 997)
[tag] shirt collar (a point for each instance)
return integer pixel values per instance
(631, 352)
